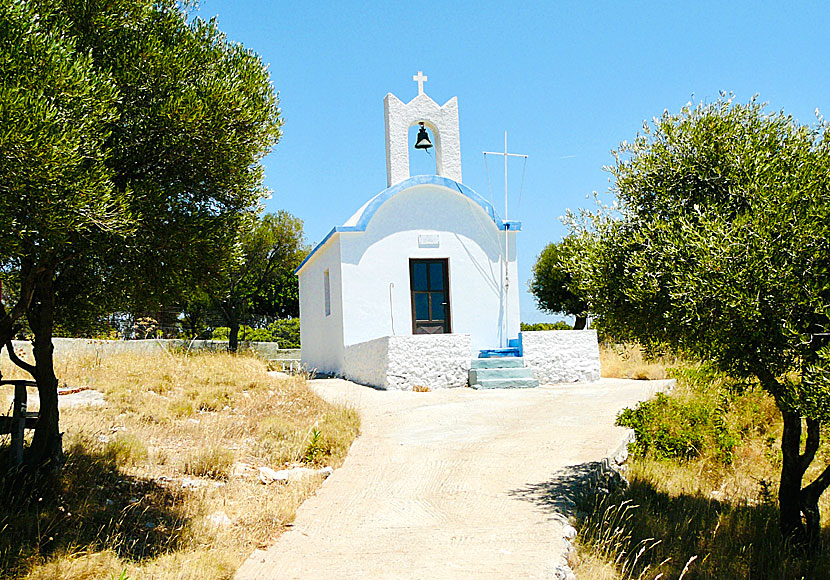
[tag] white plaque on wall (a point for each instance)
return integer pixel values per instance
(427, 240)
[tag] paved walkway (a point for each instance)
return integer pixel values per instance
(449, 484)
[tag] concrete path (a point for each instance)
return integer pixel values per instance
(449, 484)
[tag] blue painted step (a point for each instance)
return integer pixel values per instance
(498, 352)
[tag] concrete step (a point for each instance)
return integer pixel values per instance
(505, 384)
(498, 363)
(477, 375)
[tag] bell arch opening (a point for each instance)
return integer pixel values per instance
(423, 161)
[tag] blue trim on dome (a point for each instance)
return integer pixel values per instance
(390, 192)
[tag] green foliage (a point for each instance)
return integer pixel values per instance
(126, 449)
(129, 153)
(721, 242)
(130, 144)
(666, 428)
(720, 248)
(553, 284)
(559, 325)
(259, 278)
(709, 416)
(314, 450)
(286, 332)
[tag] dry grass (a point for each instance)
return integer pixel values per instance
(721, 512)
(161, 482)
(627, 361)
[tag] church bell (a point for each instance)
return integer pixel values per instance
(422, 140)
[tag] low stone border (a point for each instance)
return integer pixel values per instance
(604, 476)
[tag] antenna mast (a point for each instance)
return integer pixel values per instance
(506, 227)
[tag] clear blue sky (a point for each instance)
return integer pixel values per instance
(567, 80)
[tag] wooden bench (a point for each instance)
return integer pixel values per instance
(20, 419)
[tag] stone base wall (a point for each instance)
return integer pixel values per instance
(84, 346)
(437, 361)
(367, 362)
(562, 356)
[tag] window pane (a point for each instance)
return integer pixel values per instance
(327, 292)
(436, 276)
(419, 276)
(421, 306)
(437, 299)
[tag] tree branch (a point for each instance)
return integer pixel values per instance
(819, 485)
(16, 360)
(812, 444)
(27, 291)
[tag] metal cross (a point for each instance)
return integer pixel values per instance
(420, 78)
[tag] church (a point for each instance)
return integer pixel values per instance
(422, 280)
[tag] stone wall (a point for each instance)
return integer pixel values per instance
(562, 356)
(436, 361)
(84, 346)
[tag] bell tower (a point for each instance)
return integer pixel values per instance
(441, 120)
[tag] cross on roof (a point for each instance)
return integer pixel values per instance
(420, 78)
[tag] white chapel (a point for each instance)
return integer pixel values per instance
(421, 278)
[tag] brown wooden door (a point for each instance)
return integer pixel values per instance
(430, 288)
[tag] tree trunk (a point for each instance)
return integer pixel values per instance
(46, 450)
(233, 336)
(789, 492)
(580, 322)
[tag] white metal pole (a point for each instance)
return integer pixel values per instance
(506, 249)
(506, 274)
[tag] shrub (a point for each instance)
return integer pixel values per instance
(212, 462)
(682, 425)
(285, 331)
(126, 449)
(220, 333)
(559, 325)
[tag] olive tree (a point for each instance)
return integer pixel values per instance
(553, 283)
(130, 147)
(259, 278)
(720, 246)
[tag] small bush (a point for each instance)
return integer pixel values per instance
(684, 424)
(559, 325)
(285, 331)
(220, 333)
(126, 449)
(212, 399)
(666, 428)
(181, 408)
(212, 462)
(334, 436)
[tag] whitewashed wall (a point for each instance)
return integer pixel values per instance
(367, 362)
(441, 120)
(436, 361)
(321, 336)
(467, 237)
(562, 356)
